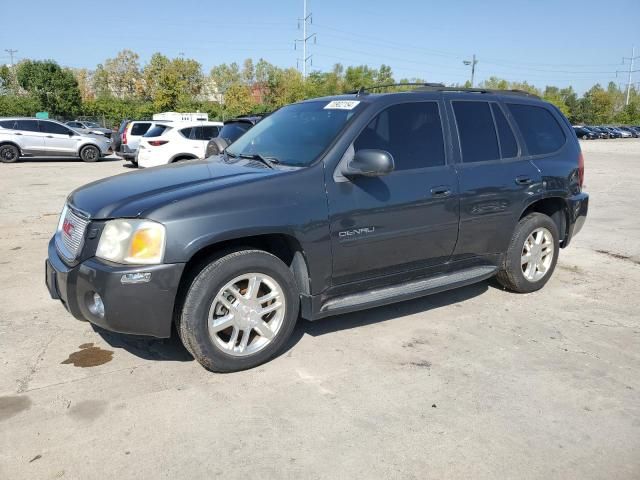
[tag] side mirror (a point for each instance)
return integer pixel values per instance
(369, 163)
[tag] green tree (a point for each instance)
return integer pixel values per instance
(120, 76)
(55, 88)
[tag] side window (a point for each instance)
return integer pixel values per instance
(51, 127)
(8, 124)
(477, 133)
(187, 132)
(410, 132)
(26, 125)
(140, 128)
(508, 143)
(541, 131)
(209, 132)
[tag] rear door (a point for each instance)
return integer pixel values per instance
(29, 137)
(200, 136)
(136, 131)
(403, 221)
(496, 178)
(58, 139)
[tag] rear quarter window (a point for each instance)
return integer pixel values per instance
(140, 128)
(541, 131)
(156, 131)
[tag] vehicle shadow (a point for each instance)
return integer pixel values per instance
(109, 158)
(171, 349)
(386, 313)
(147, 348)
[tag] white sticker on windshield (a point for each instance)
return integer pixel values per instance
(342, 105)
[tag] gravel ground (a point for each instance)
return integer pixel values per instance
(473, 383)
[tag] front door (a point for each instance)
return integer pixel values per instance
(58, 139)
(405, 220)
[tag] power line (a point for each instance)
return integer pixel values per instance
(306, 19)
(11, 52)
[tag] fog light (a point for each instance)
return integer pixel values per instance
(96, 307)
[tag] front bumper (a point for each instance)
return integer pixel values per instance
(578, 205)
(139, 308)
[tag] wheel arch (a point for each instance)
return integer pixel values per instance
(182, 156)
(554, 207)
(13, 144)
(284, 246)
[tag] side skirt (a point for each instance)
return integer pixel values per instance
(312, 310)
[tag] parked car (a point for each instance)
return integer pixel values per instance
(30, 137)
(89, 127)
(230, 132)
(326, 206)
(585, 134)
(116, 137)
(623, 132)
(612, 132)
(130, 138)
(175, 142)
(603, 133)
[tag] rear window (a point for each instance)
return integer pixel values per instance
(140, 128)
(7, 123)
(27, 125)
(478, 140)
(186, 132)
(156, 131)
(540, 129)
(234, 130)
(508, 144)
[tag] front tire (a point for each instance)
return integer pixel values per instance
(9, 154)
(239, 311)
(90, 154)
(532, 254)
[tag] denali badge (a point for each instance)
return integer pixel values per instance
(357, 231)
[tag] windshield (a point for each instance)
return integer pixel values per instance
(91, 124)
(296, 134)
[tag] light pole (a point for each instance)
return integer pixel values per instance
(473, 63)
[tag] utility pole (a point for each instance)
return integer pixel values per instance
(473, 63)
(631, 70)
(11, 52)
(306, 19)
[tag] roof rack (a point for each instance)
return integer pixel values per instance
(439, 87)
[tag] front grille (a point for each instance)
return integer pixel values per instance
(70, 235)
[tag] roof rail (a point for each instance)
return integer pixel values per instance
(364, 90)
(439, 87)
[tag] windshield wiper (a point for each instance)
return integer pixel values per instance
(268, 161)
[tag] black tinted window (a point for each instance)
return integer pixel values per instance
(477, 133)
(156, 131)
(51, 127)
(140, 128)
(410, 132)
(7, 123)
(542, 133)
(508, 143)
(209, 132)
(233, 131)
(28, 125)
(186, 132)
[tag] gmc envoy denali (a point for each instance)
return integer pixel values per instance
(327, 206)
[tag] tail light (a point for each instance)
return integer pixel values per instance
(157, 143)
(581, 169)
(124, 135)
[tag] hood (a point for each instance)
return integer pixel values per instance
(132, 194)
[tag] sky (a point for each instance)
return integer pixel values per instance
(560, 42)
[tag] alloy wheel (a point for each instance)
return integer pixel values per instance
(537, 254)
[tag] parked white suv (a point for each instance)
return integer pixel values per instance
(175, 142)
(30, 137)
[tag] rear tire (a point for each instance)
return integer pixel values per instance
(219, 310)
(90, 154)
(9, 154)
(532, 254)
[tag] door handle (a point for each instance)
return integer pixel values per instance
(523, 180)
(441, 191)
(49, 136)
(17, 133)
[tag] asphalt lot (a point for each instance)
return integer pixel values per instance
(473, 383)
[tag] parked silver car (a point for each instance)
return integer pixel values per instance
(30, 137)
(89, 127)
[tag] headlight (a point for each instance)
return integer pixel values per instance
(136, 242)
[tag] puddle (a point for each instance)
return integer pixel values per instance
(12, 405)
(89, 356)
